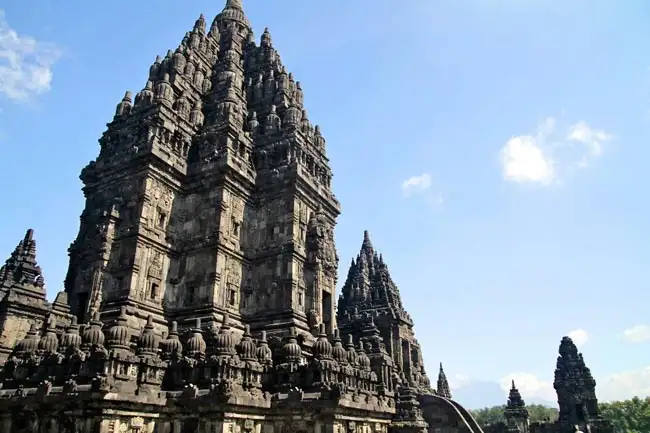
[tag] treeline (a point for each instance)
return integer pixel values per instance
(494, 414)
(628, 416)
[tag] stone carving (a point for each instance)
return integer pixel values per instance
(320, 242)
(314, 319)
(162, 195)
(156, 264)
(234, 273)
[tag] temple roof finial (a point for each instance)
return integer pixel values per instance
(234, 4)
(367, 244)
(233, 12)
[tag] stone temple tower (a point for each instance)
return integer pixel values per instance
(575, 387)
(211, 194)
(516, 413)
(370, 305)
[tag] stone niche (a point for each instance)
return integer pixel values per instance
(130, 424)
(365, 426)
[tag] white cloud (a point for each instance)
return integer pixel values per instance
(529, 386)
(637, 334)
(579, 336)
(25, 63)
(422, 187)
(619, 386)
(625, 385)
(591, 139)
(523, 160)
(546, 156)
(416, 183)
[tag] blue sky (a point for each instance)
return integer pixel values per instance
(495, 149)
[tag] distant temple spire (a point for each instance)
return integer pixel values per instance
(21, 271)
(443, 389)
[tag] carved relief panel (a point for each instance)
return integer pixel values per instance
(160, 206)
(131, 425)
(236, 218)
(231, 281)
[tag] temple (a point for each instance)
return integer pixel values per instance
(576, 397)
(201, 285)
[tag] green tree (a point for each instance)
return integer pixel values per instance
(628, 416)
(541, 413)
(488, 415)
(494, 414)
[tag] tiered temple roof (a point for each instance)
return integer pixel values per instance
(442, 387)
(369, 286)
(516, 413)
(21, 272)
(370, 304)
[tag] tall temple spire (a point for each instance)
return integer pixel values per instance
(21, 270)
(442, 387)
(220, 113)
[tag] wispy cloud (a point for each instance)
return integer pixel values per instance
(416, 184)
(546, 156)
(637, 334)
(422, 186)
(25, 63)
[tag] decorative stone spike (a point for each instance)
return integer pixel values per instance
(195, 346)
(149, 341)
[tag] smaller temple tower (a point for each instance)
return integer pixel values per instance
(370, 308)
(20, 273)
(576, 388)
(515, 413)
(23, 303)
(442, 388)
